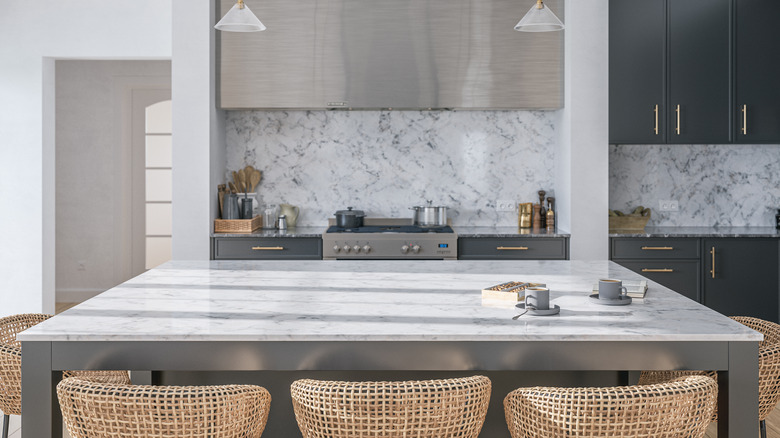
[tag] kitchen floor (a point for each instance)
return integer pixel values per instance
(772, 423)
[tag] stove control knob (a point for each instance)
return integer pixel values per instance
(347, 248)
(366, 248)
(356, 248)
(416, 249)
(336, 248)
(404, 249)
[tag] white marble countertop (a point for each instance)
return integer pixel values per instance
(376, 301)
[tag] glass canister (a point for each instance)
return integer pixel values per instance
(270, 212)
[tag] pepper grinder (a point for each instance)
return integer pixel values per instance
(542, 212)
(538, 218)
(550, 213)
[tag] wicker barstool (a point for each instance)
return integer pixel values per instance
(11, 365)
(420, 409)
(681, 408)
(92, 409)
(768, 369)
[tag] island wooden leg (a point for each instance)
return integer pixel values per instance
(41, 416)
(738, 392)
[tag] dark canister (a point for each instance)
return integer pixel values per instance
(350, 218)
(777, 219)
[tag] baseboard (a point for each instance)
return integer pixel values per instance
(76, 295)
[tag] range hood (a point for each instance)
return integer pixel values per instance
(398, 54)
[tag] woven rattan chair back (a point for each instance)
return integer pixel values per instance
(11, 359)
(11, 362)
(420, 409)
(93, 409)
(681, 408)
(768, 366)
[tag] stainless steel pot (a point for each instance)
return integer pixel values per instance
(430, 216)
(350, 218)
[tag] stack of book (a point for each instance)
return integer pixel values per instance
(634, 288)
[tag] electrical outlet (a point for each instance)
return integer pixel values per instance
(82, 265)
(668, 205)
(506, 205)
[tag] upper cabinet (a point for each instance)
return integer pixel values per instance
(400, 54)
(669, 71)
(757, 96)
(694, 71)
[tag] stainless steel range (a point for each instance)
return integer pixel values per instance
(389, 239)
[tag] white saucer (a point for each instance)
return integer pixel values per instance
(554, 311)
(620, 301)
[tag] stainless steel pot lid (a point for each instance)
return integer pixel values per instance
(350, 212)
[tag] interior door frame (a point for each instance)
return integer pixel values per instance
(141, 98)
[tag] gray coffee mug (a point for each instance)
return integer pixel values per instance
(610, 289)
(537, 298)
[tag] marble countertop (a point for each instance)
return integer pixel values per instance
(290, 232)
(464, 231)
(376, 301)
(702, 232)
(467, 231)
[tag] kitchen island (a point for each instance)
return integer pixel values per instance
(415, 316)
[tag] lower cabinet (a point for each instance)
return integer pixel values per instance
(513, 248)
(267, 248)
(736, 276)
(741, 277)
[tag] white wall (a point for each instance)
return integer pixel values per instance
(582, 173)
(198, 129)
(31, 36)
(93, 168)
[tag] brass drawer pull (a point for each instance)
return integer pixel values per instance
(512, 248)
(744, 119)
(712, 271)
(657, 270)
(678, 120)
(267, 248)
(656, 120)
(657, 248)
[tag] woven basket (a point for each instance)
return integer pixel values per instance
(238, 225)
(629, 222)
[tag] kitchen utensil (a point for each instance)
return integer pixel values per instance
(233, 188)
(237, 182)
(221, 197)
(290, 212)
(246, 208)
(242, 180)
(350, 218)
(231, 207)
(254, 179)
(432, 216)
(248, 170)
(281, 222)
(417, 213)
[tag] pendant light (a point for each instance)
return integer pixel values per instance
(239, 19)
(539, 19)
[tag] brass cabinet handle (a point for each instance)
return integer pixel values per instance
(657, 248)
(678, 120)
(267, 248)
(511, 248)
(744, 119)
(656, 120)
(657, 270)
(712, 271)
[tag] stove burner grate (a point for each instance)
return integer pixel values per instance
(390, 229)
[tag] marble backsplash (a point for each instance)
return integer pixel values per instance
(384, 162)
(716, 185)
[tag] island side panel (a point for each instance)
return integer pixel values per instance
(41, 415)
(738, 392)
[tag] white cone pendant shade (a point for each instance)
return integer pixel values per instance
(240, 19)
(539, 19)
